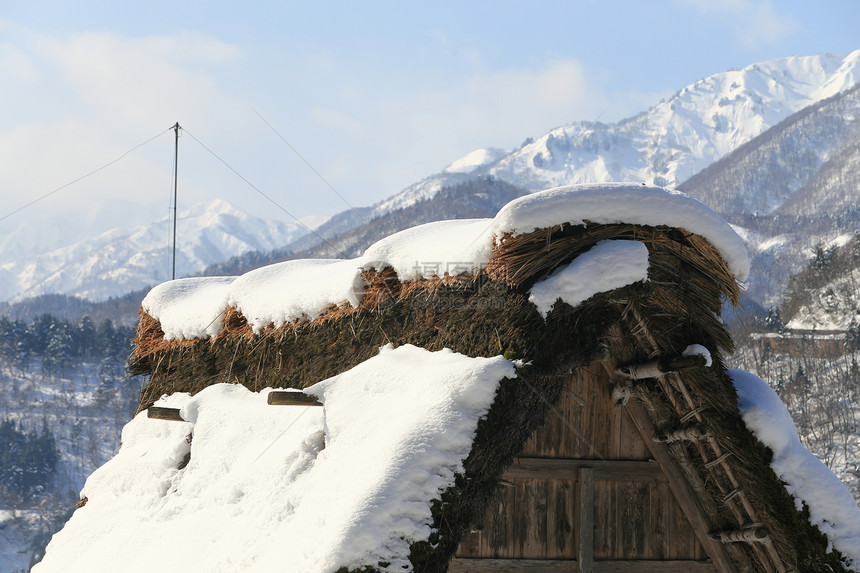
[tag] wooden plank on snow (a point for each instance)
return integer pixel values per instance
(161, 413)
(281, 398)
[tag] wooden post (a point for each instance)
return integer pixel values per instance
(585, 521)
(281, 398)
(159, 413)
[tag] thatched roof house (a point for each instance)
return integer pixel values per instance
(552, 395)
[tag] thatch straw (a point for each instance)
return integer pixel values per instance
(523, 259)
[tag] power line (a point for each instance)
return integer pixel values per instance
(318, 174)
(258, 190)
(82, 177)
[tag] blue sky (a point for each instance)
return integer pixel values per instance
(374, 95)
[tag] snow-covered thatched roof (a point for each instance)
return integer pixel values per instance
(435, 357)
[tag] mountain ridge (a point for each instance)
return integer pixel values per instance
(671, 141)
(790, 189)
(120, 260)
(667, 144)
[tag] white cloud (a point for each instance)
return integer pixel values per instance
(755, 23)
(74, 103)
(420, 124)
(140, 78)
(368, 128)
(528, 96)
(15, 65)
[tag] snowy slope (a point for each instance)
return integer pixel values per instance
(353, 477)
(826, 295)
(122, 259)
(794, 169)
(45, 230)
(665, 145)
(831, 507)
(475, 160)
(832, 307)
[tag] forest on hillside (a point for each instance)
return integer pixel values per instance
(65, 396)
(808, 350)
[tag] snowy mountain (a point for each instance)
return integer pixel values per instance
(474, 198)
(785, 136)
(790, 189)
(47, 229)
(786, 190)
(665, 145)
(794, 154)
(124, 259)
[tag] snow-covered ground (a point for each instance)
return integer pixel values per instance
(85, 423)
(23, 535)
(822, 395)
(835, 306)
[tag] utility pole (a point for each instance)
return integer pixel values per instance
(175, 179)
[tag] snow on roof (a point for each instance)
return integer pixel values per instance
(302, 290)
(433, 249)
(624, 203)
(285, 488)
(831, 506)
(606, 266)
(189, 308)
(295, 290)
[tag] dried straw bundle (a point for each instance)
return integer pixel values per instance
(523, 259)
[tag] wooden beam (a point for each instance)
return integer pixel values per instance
(681, 489)
(660, 367)
(679, 363)
(160, 413)
(654, 567)
(467, 565)
(281, 398)
(568, 469)
(585, 520)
